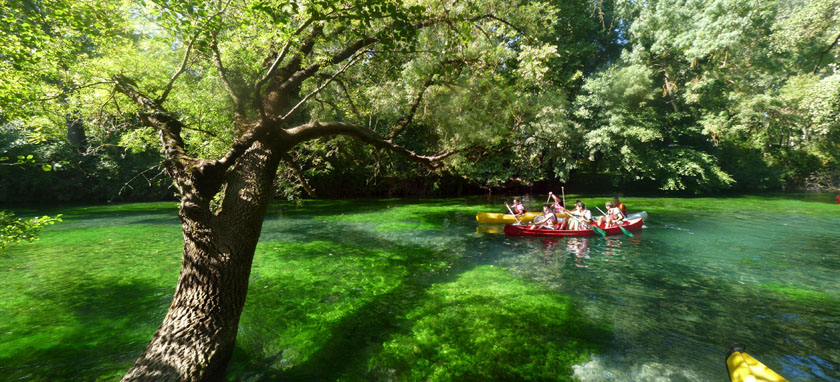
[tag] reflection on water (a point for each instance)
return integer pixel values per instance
(682, 290)
(702, 275)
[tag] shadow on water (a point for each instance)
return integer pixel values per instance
(351, 344)
(95, 319)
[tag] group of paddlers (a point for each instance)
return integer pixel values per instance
(557, 216)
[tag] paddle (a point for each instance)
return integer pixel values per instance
(626, 232)
(595, 228)
(514, 215)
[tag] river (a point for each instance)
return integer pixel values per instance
(388, 280)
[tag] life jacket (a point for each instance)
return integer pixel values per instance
(623, 208)
(519, 208)
(553, 219)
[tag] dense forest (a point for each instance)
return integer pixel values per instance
(661, 96)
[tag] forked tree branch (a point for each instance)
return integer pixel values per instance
(280, 56)
(194, 177)
(349, 99)
(187, 52)
(168, 87)
(301, 75)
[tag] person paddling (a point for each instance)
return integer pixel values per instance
(518, 208)
(547, 219)
(559, 210)
(613, 216)
(582, 216)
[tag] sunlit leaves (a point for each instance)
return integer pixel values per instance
(14, 229)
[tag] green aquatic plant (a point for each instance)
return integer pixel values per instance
(488, 325)
(800, 294)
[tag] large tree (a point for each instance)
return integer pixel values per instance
(232, 88)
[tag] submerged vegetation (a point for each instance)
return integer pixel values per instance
(228, 105)
(317, 309)
(400, 289)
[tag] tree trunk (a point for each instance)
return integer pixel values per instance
(197, 336)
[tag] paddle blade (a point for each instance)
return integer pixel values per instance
(626, 232)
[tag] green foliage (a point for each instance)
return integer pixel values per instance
(14, 229)
(669, 93)
(54, 170)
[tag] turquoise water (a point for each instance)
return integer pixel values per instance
(80, 303)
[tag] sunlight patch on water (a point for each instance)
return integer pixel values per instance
(600, 370)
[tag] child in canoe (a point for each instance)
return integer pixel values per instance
(518, 208)
(546, 220)
(582, 216)
(559, 211)
(613, 216)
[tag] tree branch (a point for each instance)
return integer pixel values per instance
(195, 179)
(63, 92)
(319, 88)
(349, 99)
(299, 174)
(180, 70)
(292, 66)
(824, 52)
(183, 66)
(403, 123)
(302, 74)
(280, 57)
(316, 130)
(521, 31)
(239, 108)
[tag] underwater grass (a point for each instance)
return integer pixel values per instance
(488, 325)
(397, 289)
(800, 294)
(84, 302)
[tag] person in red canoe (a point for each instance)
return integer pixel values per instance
(618, 204)
(518, 208)
(546, 220)
(582, 216)
(559, 211)
(613, 216)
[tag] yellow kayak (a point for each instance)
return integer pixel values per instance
(744, 368)
(493, 217)
(490, 228)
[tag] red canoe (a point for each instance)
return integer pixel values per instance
(523, 230)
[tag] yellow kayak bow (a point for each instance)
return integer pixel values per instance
(500, 218)
(744, 368)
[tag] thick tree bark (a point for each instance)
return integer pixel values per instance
(197, 336)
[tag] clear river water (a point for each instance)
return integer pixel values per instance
(704, 273)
